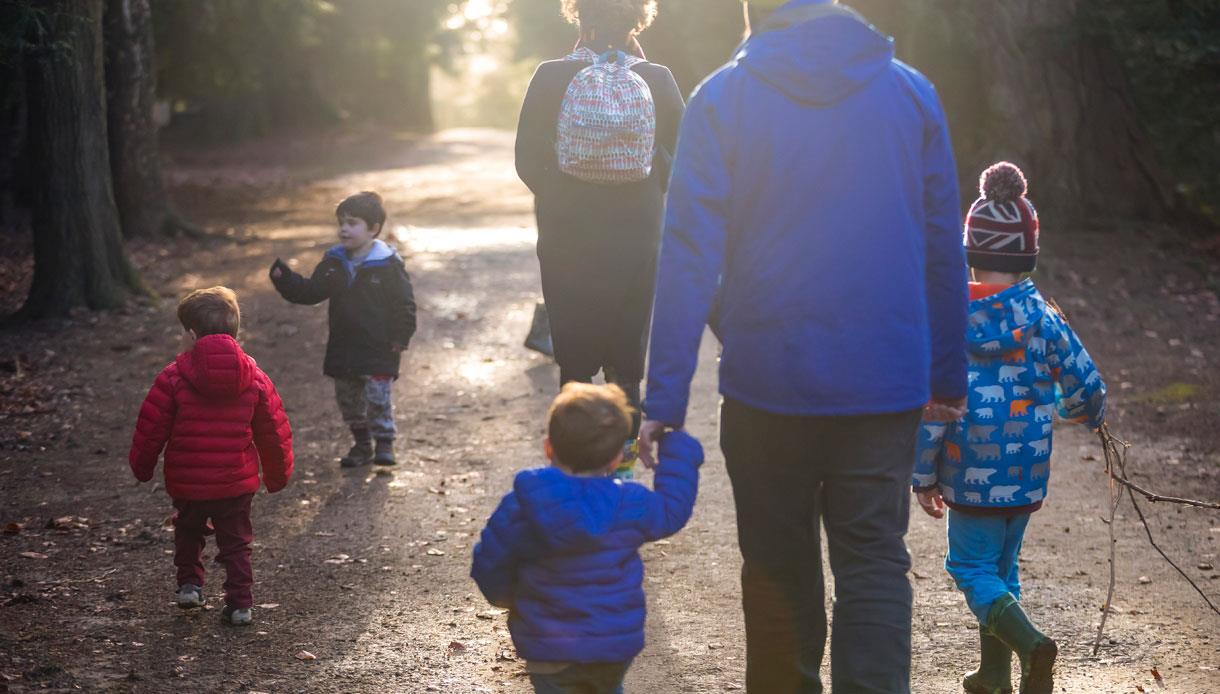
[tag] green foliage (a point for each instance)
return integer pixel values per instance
(692, 37)
(1171, 50)
(236, 68)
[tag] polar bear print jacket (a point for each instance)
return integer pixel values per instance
(1026, 365)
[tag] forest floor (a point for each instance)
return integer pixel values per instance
(369, 573)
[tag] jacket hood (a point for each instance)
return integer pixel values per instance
(217, 367)
(568, 512)
(1001, 322)
(819, 60)
(380, 254)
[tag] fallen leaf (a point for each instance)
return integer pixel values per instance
(1156, 675)
(12, 528)
(268, 606)
(1144, 580)
(456, 648)
(491, 614)
(1205, 566)
(434, 552)
(306, 655)
(33, 555)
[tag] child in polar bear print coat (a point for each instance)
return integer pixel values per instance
(991, 467)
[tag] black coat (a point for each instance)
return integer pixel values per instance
(371, 311)
(597, 244)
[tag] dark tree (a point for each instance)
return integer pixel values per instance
(1023, 80)
(135, 162)
(78, 249)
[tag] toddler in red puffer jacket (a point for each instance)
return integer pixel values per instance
(218, 417)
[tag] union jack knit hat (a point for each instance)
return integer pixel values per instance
(1002, 225)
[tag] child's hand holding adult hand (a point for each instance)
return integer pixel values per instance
(944, 410)
(931, 502)
(277, 269)
(650, 433)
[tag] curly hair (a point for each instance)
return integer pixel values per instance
(614, 17)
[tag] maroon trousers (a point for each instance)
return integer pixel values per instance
(234, 533)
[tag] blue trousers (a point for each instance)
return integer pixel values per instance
(982, 557)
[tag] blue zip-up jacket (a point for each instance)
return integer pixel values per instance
(1026, 365)
(562, 553)
(815, 198)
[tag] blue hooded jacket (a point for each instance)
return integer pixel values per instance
(562, 553)
(814, 201)
(1026, 365)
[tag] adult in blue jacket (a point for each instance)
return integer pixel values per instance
(814, 204)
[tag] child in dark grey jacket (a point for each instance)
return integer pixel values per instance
(372, 320)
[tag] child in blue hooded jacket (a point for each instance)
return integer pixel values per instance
(991, 467)
(561, 552)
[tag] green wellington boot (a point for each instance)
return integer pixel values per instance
(994, 674)
(1036, 650)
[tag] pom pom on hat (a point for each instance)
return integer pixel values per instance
(1002, 225)
(1003, 182)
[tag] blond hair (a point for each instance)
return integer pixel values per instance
(211, 311)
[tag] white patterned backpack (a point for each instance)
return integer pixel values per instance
(608, 122)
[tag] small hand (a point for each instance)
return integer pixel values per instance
(398, 348)
(931, 502)
(944, 410)
(276, 272)
(650, 433)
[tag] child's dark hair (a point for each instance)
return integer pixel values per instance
(211, 311)
(364, 205)
(588, 425)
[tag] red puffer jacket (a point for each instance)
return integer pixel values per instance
(220, 415)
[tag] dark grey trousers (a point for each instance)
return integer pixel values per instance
(851, 475)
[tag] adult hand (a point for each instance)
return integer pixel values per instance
(944, 410)
(650, 433)
(931, 502)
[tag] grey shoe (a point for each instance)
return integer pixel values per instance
(237, 617)
(190, 596)
(385, 453)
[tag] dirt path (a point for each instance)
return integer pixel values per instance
(369, 572)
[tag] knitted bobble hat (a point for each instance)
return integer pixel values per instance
(1002, 225)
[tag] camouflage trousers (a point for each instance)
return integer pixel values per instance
(367, 403)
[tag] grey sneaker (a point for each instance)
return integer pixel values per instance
(190, 596)
(237, 617)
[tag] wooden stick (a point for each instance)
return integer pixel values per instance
(1116, 497)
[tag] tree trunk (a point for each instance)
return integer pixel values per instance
(1022, 80)
(78, 249)
(139, 190)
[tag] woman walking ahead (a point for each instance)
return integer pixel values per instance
(596, 137)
